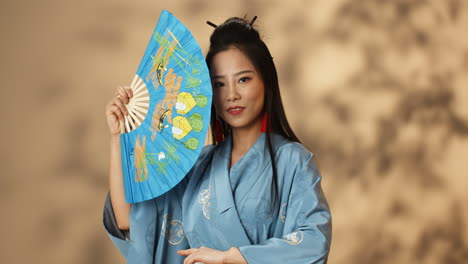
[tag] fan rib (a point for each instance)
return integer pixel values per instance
(139, 81)
(142, 110)
(140, 93)
(134, 80)
(132, 124)
(139, 88)
(138, 114)
(127, 125)
(134, 118)
(141, 99)
(142, 104)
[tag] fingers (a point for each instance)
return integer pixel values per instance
(190, 255)
(118, 101)
(122, 97)
(125, 93)
(129, 91)
(189, 260)
(186, 252)
(115, 110)
(201, 255)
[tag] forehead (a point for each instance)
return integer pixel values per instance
(230, 61)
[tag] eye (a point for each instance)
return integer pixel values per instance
(244, 79)
(218, 84)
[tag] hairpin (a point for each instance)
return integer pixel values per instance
(253, 20)
(211, 24)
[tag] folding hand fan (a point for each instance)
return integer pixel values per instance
(169, 112)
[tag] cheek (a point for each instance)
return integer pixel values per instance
(257, 94)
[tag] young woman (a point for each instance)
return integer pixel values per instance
(252, 197)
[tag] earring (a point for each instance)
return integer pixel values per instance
(264, 123)
(219, 135)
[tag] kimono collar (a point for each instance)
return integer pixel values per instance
(257, 148)
(252, 161)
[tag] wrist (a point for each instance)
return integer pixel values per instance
(115, 138)
(233, 256)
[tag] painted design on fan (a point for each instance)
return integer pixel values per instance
(188, 63)
(192, 80)
(294, 238)
(161, 58)
(160, 71)
(158, 121)
(161, 156)
(169, 50)
(184, 102)
(172, 84)
(162, 159)
(170, 47)
(172, 230)
(183, 125)
(141, 169)
(162, 115)
(161, 125)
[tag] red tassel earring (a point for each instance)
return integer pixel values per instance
(219, 135)
(264, 123)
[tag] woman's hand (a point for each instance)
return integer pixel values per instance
(203, 254)
(211, 256)
(116, 110)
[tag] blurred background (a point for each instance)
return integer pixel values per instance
(376, 89)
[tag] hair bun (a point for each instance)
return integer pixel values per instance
(235, 30)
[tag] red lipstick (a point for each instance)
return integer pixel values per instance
(235, 110)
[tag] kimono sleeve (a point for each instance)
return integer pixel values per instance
(146, 219)
(306, 234)
(120, 238)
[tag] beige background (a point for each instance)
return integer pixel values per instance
(377, 89)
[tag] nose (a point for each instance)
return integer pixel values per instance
(233, 93)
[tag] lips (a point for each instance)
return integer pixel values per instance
(234, 110)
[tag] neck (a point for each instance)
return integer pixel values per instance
(243, 139)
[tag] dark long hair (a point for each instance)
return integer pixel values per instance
(237, 32)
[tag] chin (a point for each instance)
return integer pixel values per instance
(240, 125)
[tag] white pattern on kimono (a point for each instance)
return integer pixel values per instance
(205, 198)
(173, 230)
(283, 212)
(294, 238)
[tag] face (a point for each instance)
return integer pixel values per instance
(238, 89)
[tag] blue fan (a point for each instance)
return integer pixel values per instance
(169, 113)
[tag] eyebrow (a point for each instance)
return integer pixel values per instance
(237, 74)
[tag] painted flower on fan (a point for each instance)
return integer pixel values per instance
(180, 127)
(186, 102)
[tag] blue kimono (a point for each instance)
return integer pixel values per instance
(221, 207)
